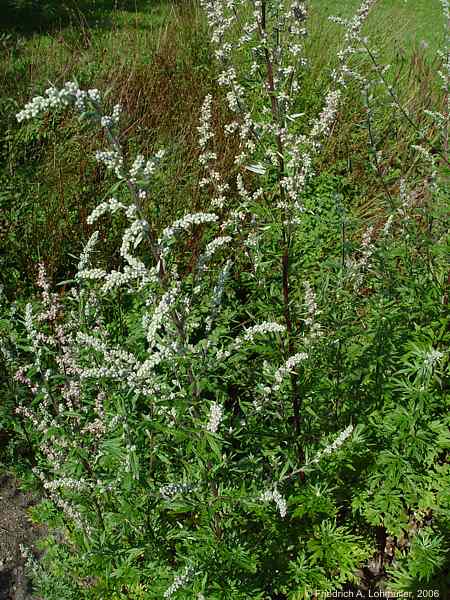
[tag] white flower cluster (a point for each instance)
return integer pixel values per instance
(144, 169)
(249, 336)
(170, 490)
(262, 328)
(288, 367)
(179, 582)
(117, 279)
(266, 391)
(113, 161)
(54, 99)
(76, 485)
(152, 324)
(110, 121)
(311, 303)
(87, 251)
(432, 357)
(215, 244)
(135, 270)
(427, 157)
(91, 274)
(207, 156)
(211, 248)
(50, 301)
(408, 200)
(205, 131)
(321, 126)
(357, 266)
(388, 225)
(64, 505)
(112, 158)
(215, 417)
(220, 20)
(116, 364)
(338, 442)
(352, 39)
(244, 194)
(145, 370)
(315, 330)
(278, 67)
(111, 206)
(185, 223)
(275, 496)
(132, 237)
(35, 336)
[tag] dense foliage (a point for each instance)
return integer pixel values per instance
(28, 15)
(251, 402)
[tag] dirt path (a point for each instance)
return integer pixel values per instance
(16, 529)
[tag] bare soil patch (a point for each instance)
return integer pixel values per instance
(16, 530)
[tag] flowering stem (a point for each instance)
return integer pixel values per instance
(98, 509)
(372, 143)
(132, 189)
(285, 260)
(288, 321)
(399, 105)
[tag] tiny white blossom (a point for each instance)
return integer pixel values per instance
(185, 223)
(179, 582)
(215, 417)
(87, 251)
(338, 442)
(275, 496)
(432, 357)
(288, 367)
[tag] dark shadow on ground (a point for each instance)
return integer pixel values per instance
(36, 16)
(16, 530)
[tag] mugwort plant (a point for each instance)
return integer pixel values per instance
(204, 428)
